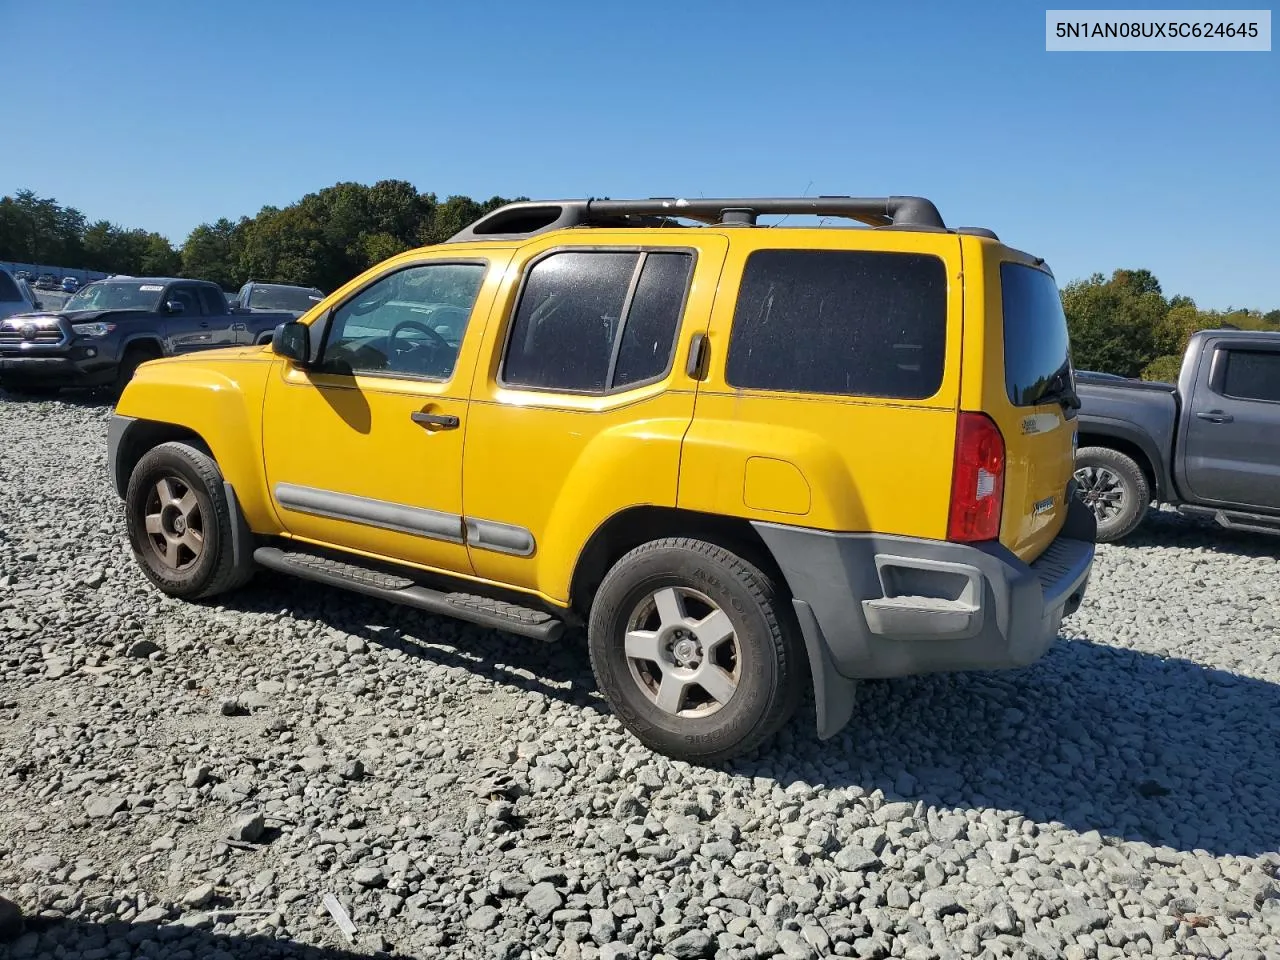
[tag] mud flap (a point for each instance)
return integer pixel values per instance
(833, 693)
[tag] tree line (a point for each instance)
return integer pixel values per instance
(1123, 324)
(322, 240)
(1126, 325)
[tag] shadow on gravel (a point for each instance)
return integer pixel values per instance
(73, 938)
(1134, 745)
(559, 670)
(1164, 529)
(92, 397)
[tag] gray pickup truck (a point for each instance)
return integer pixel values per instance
(109, 327)
(1209, 445)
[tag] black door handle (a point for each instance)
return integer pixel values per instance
(204, 324)
(1215, 416)
(437, 420)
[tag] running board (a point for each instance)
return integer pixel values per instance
(1235, 520)
(496, 614)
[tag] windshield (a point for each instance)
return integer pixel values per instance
(271, 297)
(1036, 348)
(114, 295)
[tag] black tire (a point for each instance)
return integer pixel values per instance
(133, 358)
(1114, 487)
(766, 656)
(210, 571)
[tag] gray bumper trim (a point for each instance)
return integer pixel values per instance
(879, 606)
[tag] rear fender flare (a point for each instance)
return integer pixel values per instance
(1105, 427)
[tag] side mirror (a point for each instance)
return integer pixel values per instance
(292, 340)
(173, 306)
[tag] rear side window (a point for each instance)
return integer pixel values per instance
(8, 289)
(597, 321)
(214, 302)
(1036, 348)
(859, 323)
(1252, 375)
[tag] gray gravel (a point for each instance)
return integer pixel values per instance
(181, 781)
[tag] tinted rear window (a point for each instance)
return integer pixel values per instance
(8, 289)
(1036, 348)
(1253, 375)
(840, 322)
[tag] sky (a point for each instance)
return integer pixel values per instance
(164, 115)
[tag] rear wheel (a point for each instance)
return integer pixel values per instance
(694, 650)
(1114, 487)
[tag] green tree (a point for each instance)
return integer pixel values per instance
(1115, 324)
(212, 252)
(39, 230)
(157, 257)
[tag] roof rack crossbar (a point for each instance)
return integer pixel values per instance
(526, 218)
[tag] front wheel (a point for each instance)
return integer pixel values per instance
(694, 650)
(179, 522)
(1114, 487)
(133, 358)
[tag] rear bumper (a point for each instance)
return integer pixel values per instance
(880, 606)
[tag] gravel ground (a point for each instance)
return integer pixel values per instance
(187, 781)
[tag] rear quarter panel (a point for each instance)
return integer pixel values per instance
(829, 462)
(1132, 412)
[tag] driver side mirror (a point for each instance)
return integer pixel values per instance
(292, 340)
(173, 306)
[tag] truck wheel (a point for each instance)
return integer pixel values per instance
(694, 650)
(179, 523)
(1114, 487)
(133, 358)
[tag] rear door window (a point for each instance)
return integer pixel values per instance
(1036, 347)
(859, 323)
(597, 321)
(214, 302)
(1252, 375)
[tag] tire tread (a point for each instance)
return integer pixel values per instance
(226, 575)
(1132, 472)
(781, 633)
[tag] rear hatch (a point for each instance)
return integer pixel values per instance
(1034, 407)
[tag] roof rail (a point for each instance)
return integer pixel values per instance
(529, 217)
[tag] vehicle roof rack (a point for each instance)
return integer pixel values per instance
(527, 218)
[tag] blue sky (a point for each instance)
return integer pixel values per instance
(164, 115)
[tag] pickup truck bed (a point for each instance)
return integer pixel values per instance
(1209, 445)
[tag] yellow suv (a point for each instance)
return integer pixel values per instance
(745, 459)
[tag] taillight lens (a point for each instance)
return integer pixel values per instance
(977, 480)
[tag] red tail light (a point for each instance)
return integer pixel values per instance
(977, 480)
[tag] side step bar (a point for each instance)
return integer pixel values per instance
(1236, 520)
(495, 614)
